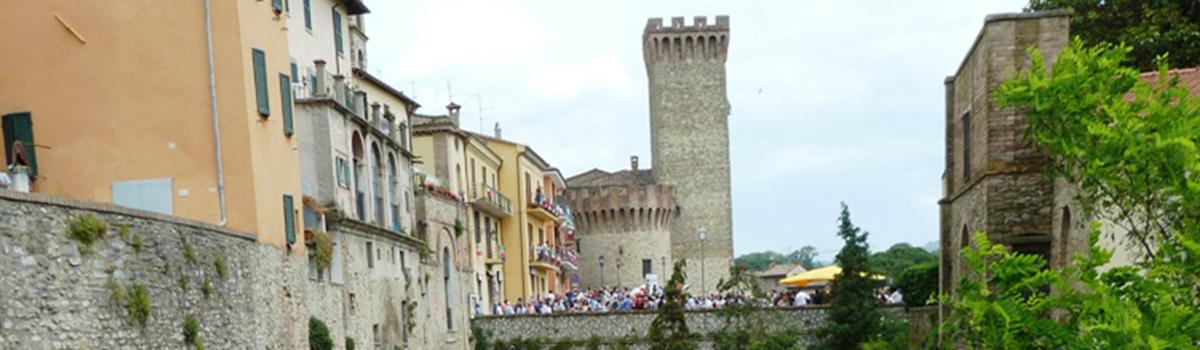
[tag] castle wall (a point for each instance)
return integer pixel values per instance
(689, 135)
(627, 225)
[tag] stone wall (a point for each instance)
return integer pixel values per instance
(624, 327)
(626, 224)
(55, 297)
(689, 138)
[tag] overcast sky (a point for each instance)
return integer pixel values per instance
(832, 100)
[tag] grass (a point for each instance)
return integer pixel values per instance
(86, 230)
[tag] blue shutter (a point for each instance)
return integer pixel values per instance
(337, 31)
(289, 219)
(260, 82)
(295, 73)
(285, 92)
(18, 127)
(308, 14)
(277, 5)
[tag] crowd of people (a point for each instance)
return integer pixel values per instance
(617, 299)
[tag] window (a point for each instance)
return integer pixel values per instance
(375, 335)
(446, 283)
(1064, 236)
(19, 127)
(289, 219)
(308, 14)
(295, 72)
(370, 255)
(337, 31)
(150, 195)
(277, 5)
(966, 139)
(260, 82)
(285, 98)
(343, 172)
(311, 219)
(647, 264)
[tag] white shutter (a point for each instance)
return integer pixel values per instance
(150, 195)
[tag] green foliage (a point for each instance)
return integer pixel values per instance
(805, 256)
(520, 343)
(136, 242)
(183, 280)
(222, 270)
(206, 288)
(853, 315)
(593, 343)
(562, 344)
(900, 257)
(123, 232)
(318, 335)
(918, 283)
(1153, 27)
(188, 253)
(322, 254)
(481, 338)
(191, 332)
(350, 344)
(893, 335)
(139, 304)
(87, 229)
(745, 322)
(458, 228)
(669, 330)
(116, 292)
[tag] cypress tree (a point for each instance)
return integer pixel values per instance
(669, 331)
(853, 316)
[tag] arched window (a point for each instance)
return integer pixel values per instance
(965, 240)
(392, 183)
(377, 182)
(446, 271)
(360, 198)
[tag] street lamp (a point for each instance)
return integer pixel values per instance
(701, 232)
(601, 271)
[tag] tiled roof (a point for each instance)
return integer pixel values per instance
(1188, 78)
(779, 270)
(597, 177)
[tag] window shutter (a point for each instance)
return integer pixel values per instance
(260, 82)
(277, 5)
(19, 127)
(289, 219)
(337, 31)
(308, 14)
(285, 92)
(295, 73)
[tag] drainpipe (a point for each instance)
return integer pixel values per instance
(212, 96)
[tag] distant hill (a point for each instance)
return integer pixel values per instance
(931, 247)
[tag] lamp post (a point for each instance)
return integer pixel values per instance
(601, 271)
(701, 232)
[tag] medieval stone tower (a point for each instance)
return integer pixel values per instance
(689, 138)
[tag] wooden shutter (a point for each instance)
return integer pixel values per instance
(337, 31)
(260, 82)
(19, 127)
(285, 92)
(289, 219)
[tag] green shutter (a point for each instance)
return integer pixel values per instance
(295, 73)
(19, 127)
(277, 5)
(289, 219)
(260, 83)
(307, 15)
(337, 31)
(285, 92)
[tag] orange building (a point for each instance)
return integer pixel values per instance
(181, 108)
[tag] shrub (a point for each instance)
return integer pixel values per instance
(562, 344)
(350, 345)
(183, 280)
(458, 228)
(322, 253)
(207, 287)
(191, 332)
(139, 304)
(480, 337)
(318, 335)
(222, 270)
(188, 253)
(87, 229)
(136, 243)
(123, 232)
(918, 283)
(116, 292)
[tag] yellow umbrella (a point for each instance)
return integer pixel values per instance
(824, 274)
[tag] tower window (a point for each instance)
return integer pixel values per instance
(966, 147)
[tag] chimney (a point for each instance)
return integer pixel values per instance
(453, 109)
(375, 111)
(633, 163)
(319, 84)
(498, 130)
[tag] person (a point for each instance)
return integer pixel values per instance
(802, 299)
(508, 308)
(896, 297)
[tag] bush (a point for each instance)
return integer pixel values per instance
(919, 284)
(87, 229)
(350, 345)
(222, 270)
(318, 335)
(139, 304)
(136, 243)
(188, 253)
(116, 292)
(191, 332)
(322, 254)
(207, 287)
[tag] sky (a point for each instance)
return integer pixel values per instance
(832, 101)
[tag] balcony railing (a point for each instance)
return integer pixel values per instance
(556, 257)
(492, 201)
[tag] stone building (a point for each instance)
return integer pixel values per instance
(994, 180)
(624, 221)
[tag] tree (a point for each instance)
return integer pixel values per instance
(853, 316)
(918, 283)
(806, 257)
(318, 335)
(900, 257)
(669, 330)
(1152, 27)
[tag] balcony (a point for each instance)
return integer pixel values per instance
(492, 202)
(553, 259)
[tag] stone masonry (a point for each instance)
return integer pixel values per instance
(689, 134)
(993, 180)
(626, 218)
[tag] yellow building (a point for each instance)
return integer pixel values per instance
(118, 99)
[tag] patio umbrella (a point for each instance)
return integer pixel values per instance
(824, 274)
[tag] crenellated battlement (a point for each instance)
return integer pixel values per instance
(682, 43)
(621, 208)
